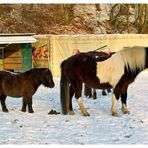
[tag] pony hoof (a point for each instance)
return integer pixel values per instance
(5, 110)
(31, 111)
(94, 97)
(71, 112)
(86, 114)
(104, 94)
(126, 112)
(23, 110)
(115, 114)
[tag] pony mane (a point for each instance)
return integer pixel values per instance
(111, 70)
(133, 57)
(34, 70)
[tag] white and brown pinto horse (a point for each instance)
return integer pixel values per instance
(116, 72)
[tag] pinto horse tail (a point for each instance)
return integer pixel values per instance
(64, 92)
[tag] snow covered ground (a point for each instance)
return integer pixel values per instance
(17, 127)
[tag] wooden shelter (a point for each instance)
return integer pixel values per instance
(16, 51)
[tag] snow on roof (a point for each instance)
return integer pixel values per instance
(16, 38)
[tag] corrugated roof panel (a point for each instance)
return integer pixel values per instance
(16, 39)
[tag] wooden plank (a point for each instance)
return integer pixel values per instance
(12, 61)
(11, 54)
(1, 67)
(1, 62)
(12, 66)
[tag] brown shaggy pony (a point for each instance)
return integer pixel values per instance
(23, 85)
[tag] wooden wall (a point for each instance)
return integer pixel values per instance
(12, 57)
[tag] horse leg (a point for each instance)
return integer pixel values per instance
(24, 105)
(79, 99)
(3, 99)
(120, 89)
(87, 91)
(29, 103)
(94, 94)
(71, 112)
(115, 99)
(123, 100)
(104, 92)
(109, 90)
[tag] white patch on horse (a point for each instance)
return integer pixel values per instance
(111, 70)
(114, 105)
(82, 107)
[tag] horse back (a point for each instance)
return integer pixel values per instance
(17, 85)
(78, 67)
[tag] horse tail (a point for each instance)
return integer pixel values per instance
(64, 91)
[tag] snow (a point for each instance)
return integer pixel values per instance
(100, 127)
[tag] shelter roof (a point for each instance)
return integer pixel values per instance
(17, 38)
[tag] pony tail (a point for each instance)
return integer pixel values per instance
(64, 92)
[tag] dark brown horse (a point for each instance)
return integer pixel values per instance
(23, 85)
(116, 72)
(97, 56)
(70, 75)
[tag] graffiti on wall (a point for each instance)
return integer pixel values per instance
(40, 53)
(40, 57)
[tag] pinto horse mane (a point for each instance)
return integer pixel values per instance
(133, 58)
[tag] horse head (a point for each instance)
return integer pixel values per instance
(47, 78)
(99, 56)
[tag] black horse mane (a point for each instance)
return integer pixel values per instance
(34, 70)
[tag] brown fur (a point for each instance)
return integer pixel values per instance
(74, 72)
(23, 85)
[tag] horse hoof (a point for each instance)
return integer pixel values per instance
(115, 114)
(126, 112)
(71, 112)
(104, 94)
(5, 110)
(94, 97)
(31, 111)
(86, 114)
(23, 110)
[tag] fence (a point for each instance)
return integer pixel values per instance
(59, 47)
